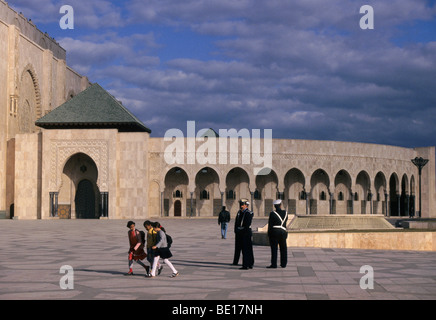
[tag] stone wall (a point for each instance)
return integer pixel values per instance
(34, 79)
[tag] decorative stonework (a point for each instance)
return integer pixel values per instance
(29, 69)
(62, 150)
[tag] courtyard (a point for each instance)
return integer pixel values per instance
(34, 252)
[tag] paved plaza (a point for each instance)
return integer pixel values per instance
(33, 252)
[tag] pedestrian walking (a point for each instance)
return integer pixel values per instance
(278, 234)
(151, 241)
(136, 249)
(161, 250)
(243, 236)
(223, 220)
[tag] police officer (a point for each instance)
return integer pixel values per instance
(243, 234)
(277, 234)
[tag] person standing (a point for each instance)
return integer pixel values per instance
(161, 251)
(223, 220)
(278, 234)
(243, 234)
(136, 250)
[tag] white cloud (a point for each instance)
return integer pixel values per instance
(303, 67)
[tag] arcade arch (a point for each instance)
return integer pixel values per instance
(362, 194)
(207, 193)
(175, 191)
(302, 194)
(237, 187)
(319, 188)
(343, 193)
(267, 187)
(295, 194)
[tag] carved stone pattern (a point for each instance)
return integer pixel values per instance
(288, 156)
(62, 150)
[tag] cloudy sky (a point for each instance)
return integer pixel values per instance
(303, 68)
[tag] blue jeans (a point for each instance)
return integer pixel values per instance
(224, 229)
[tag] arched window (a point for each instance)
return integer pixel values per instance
(322, 195)
(303, 195)
(231, 195)
(340, 196)
(257, 195)
(178, 194)
(204, 195)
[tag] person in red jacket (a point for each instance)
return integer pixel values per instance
(136, 250)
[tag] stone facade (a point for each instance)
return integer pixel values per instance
(312, 177)
(34, 79)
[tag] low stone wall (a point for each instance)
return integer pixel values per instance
(381, 240)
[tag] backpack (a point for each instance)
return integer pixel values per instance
(142, 233)
(169, 240)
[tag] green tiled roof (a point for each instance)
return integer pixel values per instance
(92, 108)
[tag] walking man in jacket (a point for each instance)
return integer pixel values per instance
(223, 220)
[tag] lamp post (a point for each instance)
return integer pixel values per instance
(419, 163)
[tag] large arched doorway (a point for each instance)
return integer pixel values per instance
(79, 195)
(85, 200)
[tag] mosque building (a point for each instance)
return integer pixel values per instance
(70, 150)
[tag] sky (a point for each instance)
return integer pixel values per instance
(304, 68)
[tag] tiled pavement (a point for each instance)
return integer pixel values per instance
(32, 253)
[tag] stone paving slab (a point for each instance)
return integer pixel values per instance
(32, 253)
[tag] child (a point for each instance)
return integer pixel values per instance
(151, 241)
(136, 250)
(162, 251)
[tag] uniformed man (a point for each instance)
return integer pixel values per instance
(243, 234)
(277, 234)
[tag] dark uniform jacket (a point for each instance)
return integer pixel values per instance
(243, 221)
(277, 223)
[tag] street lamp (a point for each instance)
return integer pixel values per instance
(419, 163)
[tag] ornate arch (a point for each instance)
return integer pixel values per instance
(29, 68)
(62, 151)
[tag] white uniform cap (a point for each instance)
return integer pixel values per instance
(276, 202)
(244, 201)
